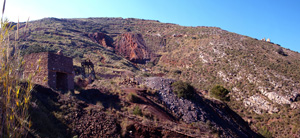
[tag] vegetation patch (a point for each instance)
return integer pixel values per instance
(281, 52)
(265, 132)
(15, 95)
(183, 89)
(35, 49)
(219, 92)
(137, 111)
(133, 98)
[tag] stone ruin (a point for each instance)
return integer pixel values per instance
(53, 70)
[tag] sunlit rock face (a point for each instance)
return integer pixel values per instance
(133, 47)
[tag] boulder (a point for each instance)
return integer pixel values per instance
(275, 97)
(259, 104)
(295, 105)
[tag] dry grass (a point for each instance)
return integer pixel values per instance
(14, 94)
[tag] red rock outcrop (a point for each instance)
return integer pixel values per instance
(133, 47)
(101, 39)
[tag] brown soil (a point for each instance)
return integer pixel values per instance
(59, 114)
(147, 104)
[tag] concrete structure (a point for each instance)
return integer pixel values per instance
(52, 70)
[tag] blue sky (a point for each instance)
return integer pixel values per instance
(275, 19)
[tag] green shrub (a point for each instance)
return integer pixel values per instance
(133, 98)
(35, 49)
(265, 132)
(219, 92)
(183, 89)
(137, 111)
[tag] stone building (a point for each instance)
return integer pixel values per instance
(52, 70)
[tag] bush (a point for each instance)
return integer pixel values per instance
(265, 132)
(133, 98)
(281, 52)
(137, 111)
(219, 92)
(35, 49)
(183, 89)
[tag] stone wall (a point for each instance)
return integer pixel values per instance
(50, 64)
(52, 79)
(71, 82)
(31, 68)
(60, 63)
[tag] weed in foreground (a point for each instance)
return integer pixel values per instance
(14, 94)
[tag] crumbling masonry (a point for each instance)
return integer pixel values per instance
(56, 71)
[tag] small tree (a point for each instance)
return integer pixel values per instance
(219, 92)
(183, 89)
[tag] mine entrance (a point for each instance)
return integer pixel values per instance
(61, 81)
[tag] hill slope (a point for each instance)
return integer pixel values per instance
(262, 76)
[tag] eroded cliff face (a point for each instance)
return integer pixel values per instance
(133, 47)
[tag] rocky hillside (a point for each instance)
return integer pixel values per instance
(135, 113)
(263, 77)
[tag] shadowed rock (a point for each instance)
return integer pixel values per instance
(101, 39)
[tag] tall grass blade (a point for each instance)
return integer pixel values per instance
(3, 9)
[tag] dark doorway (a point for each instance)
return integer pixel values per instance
(61, 81)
